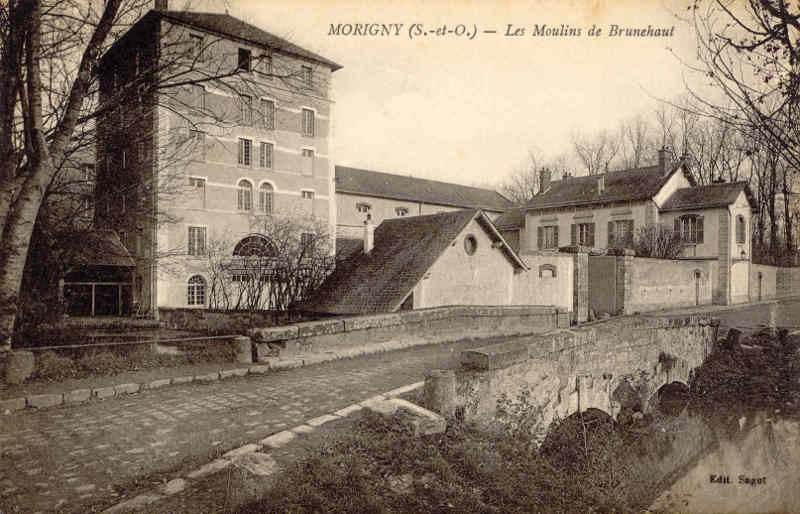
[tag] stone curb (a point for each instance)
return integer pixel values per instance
(77, 396)
(275, 441)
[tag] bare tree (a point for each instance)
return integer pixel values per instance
(637, 142)
(524, 182)
(657, 241)
(596, 151)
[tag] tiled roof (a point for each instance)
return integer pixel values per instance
(400, 187)
(620, 186)
(712, 195)
(404, 250)
(103, 248)
(347, 246)
(226, 24)
(512, 218)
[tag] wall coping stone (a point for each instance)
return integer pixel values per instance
(621, 252)
(270, 334)
(575, 249)
(317, 328)
(495, 356)
(374, 321)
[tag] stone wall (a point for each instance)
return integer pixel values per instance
(548, 282)
(659, 283)
(564, 371)
(763, 282)
(417, 327)
(213, 322)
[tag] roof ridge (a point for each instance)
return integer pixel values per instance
(417, 178)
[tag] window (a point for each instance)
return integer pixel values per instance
(266, 65)
(307, 242)
(255, 246)
(308, 75)
(199, 183)
(547, 237)
(245, 152)
(307, 195)
(268, 110)
(196, 291)
(88, 172)
(265, 198)
(741, 230)
(197, 47)
(247, 110)
(265, 158)
(198, 96)
(690, 228)
(308, 152)
(308, 122)
(363, 207)
(470, 244)
(199, 139)
(620, 233)
(244, 60)
(197, 241)
(582, 234)
(244, 199)
(401, 211)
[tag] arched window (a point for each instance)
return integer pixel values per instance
(245, 196)
(741, 229)
(265, 197)
(255, 246)
(196, 291)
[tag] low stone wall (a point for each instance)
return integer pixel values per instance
(787, 282)
(213, 322)
(564, 371)
(417, 327)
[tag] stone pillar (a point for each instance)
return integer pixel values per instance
(19, 366)
(244, 349)
(580, 281)
(724, 252)
(439, 392)
(624, 273)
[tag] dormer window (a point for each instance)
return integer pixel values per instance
(363, 207)
(401, 211)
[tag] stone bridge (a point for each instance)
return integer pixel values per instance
(608, 365)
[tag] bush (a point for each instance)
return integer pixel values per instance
(51, 366)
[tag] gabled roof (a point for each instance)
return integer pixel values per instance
(404, 250)
(620, 186)
(103, 248)
(708, 196)
(400, 187)
(226, 25)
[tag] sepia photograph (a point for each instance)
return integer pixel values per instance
(519, 256)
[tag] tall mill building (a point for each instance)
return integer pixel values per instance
(208, 125)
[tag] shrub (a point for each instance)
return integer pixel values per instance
(51, 366)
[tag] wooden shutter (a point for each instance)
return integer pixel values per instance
(630, 233)
(591, 234)
(573, 234)
(555, 235)
(678, 226)
(610, 234)
(540, 238)
(699, 229)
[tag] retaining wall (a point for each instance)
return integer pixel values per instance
(417, 327)
(213, 322)
(565, 371)
(763, 282)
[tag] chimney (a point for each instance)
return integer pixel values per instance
(162, 5)
(369, 234)
(544, 180)
(601, 183)
(662, 159)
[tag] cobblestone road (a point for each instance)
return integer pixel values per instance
(84, 458)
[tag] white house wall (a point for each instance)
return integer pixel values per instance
(548, 282)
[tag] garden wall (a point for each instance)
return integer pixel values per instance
(661, 283)
(213, 322)
(763, 282)
(548, 282)
(417, 327)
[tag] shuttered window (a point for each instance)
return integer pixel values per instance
(620, 234)
(582, 234)
(547, 237)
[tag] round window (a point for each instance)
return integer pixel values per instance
(470, 244)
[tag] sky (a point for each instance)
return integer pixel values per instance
(467, 110)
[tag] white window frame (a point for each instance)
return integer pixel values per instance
(196, 290)
(401, 211)
(549, 240)
(307, 75)
(244, 195)
(247, 110)
(308, 194)
(262, 161)
(308, 153)
(363, 207)
(245, 152)
(308, 123)
(196, 246)
(268, 123)
(264, 206)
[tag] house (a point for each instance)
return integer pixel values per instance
(209, 124)
(414, 262)
(385, 195)
(606, 211)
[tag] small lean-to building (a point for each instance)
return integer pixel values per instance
(450, 258)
